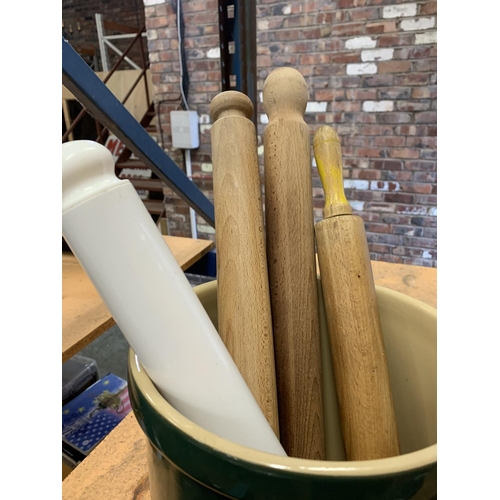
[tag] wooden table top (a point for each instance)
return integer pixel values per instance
(85, 316)
(117, 468)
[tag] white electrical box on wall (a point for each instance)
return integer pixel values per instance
(185, 131)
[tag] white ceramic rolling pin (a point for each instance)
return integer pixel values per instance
(112, 235)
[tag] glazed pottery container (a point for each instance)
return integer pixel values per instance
(187, 462)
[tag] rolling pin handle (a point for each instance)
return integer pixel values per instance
(328, 154)
(285, 93)
(231, 103)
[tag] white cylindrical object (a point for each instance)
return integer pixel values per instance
(111, 233)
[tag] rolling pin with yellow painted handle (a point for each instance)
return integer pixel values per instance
(367, 417)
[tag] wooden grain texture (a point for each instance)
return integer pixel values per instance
(367, 417)
(123, 453)
(416, 281)
(244, 308)
(116, 470)
(84, 315)
(366, 408)
(291, 263)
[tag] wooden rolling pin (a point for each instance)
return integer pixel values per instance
(244, 307)
(368, 422)
(292, 265)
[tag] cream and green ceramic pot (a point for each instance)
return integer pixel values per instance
(188, 463)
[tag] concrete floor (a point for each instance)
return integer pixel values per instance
(110, 350)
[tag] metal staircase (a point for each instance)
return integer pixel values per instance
(100, 103)
(148, 185)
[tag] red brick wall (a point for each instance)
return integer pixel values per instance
(371, 70)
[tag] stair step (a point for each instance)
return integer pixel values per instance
(154, 207)
(148, 184)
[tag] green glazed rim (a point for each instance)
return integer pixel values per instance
(166, 428)
(236, 471)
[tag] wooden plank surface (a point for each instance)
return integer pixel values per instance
(117, 468)
(85, 316)
(416, 281)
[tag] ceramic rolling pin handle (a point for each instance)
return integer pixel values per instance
(328, 154)
(111, 233)
(285, 94)
(88, 171)
(231, 103)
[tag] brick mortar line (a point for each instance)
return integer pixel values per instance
(370, 35)
(363, 62)
(354, 7)
(315, 26)
(378, 6)
(317, 39)
(402, 245)
(341, 38)
(339, 52)
(344, 23)
(315, 51)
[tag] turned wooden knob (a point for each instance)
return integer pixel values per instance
(231, 103)
(285, 92)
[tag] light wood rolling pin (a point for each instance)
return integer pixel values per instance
(292, 265)
(368, 422)
(244, 307)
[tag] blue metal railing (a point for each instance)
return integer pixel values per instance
(101, 103)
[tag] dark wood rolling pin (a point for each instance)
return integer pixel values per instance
(244, 307)
(367, 418)
(292, 264)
